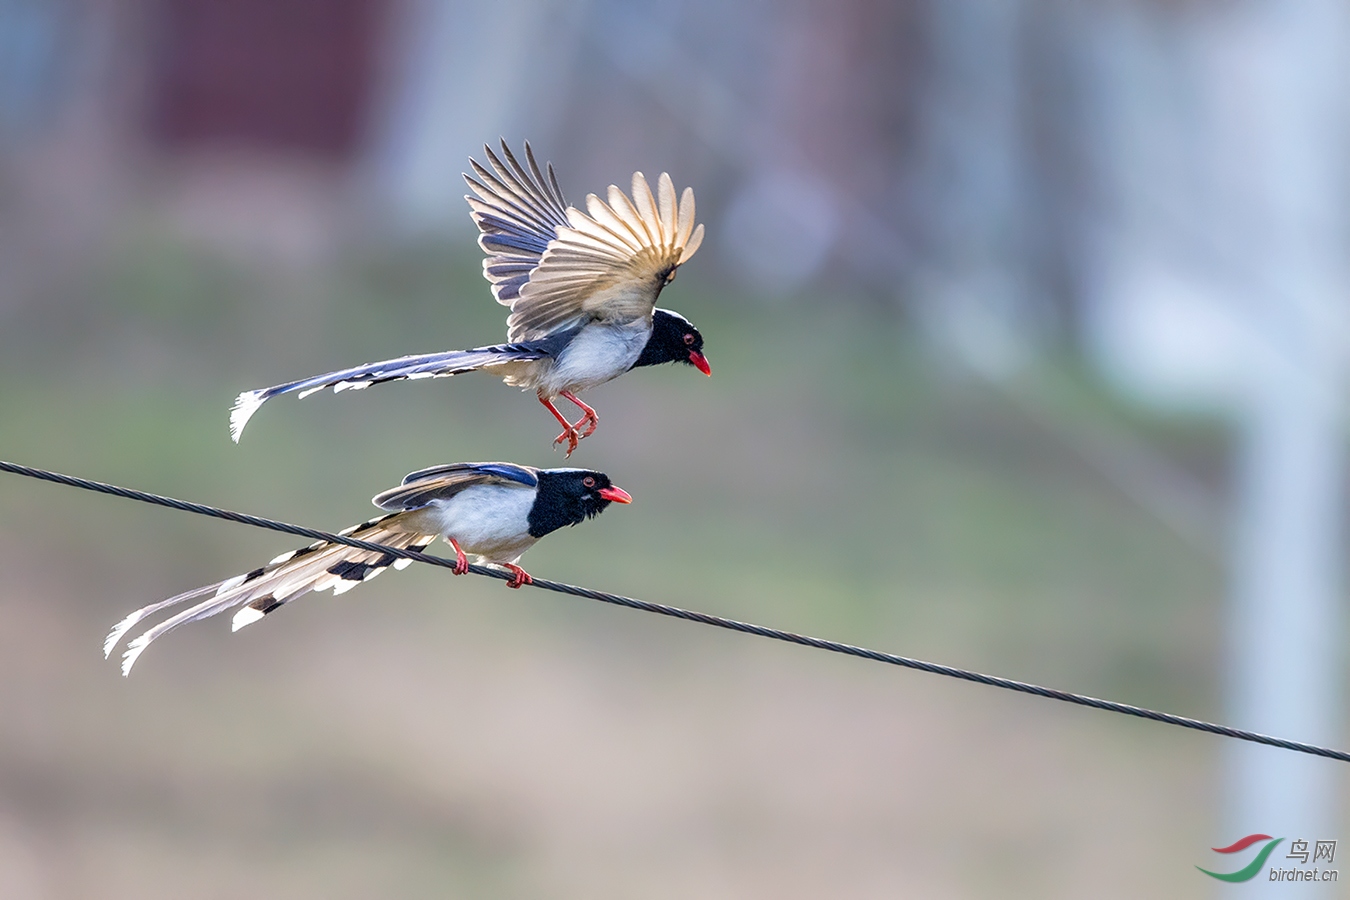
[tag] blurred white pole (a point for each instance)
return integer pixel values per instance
(1276, 76)
(461, 74)
(973, 299)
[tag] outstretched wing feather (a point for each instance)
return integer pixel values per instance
(665, 189)
(518, 210)
(642, 208)
(558, 267)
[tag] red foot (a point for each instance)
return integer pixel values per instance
(521, 576)
(461, 566)
(570, 433)
(588, 417)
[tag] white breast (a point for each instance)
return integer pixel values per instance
(597, 354)
(490, 521)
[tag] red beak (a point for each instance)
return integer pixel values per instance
(700, 362)
(617, 494)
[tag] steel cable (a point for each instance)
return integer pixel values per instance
(690, 615)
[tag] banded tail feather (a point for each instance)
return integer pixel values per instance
(320, 566)
(426, 365)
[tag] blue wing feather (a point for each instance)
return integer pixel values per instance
(505, 470)
(518, 210)
(440, 483)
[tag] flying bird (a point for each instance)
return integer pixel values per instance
(494, 511)
(582, 289)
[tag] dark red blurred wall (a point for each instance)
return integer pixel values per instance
(292, 75)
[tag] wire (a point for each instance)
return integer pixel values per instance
(690, 615)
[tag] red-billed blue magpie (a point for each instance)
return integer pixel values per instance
(582, 288)
(494, 511)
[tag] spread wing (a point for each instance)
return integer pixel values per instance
(443, 482)
(607, 263)
(517, 212)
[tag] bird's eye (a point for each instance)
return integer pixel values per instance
(689, 339)
(588, 481)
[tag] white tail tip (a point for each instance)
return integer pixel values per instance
(246, 616)
(118, 630)
(244, 408)
(134, 650)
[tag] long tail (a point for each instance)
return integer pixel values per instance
(319, 566)
(428, 365)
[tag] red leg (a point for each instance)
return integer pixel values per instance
(569, 432)
(522, 577)
(461, 561)
(588, 416)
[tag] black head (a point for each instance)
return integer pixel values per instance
(674, 339)
(571, 496)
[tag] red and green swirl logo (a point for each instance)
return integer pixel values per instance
(1247, 872)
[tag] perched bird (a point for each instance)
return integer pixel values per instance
(582, 288)
(494, 511)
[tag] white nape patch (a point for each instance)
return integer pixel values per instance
(246, 616)
(245, 405)
(134, 650)
(674, 315)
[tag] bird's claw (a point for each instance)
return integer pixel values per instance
(520, 577)
(573, 433)
(590, 420)
(572, 436)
